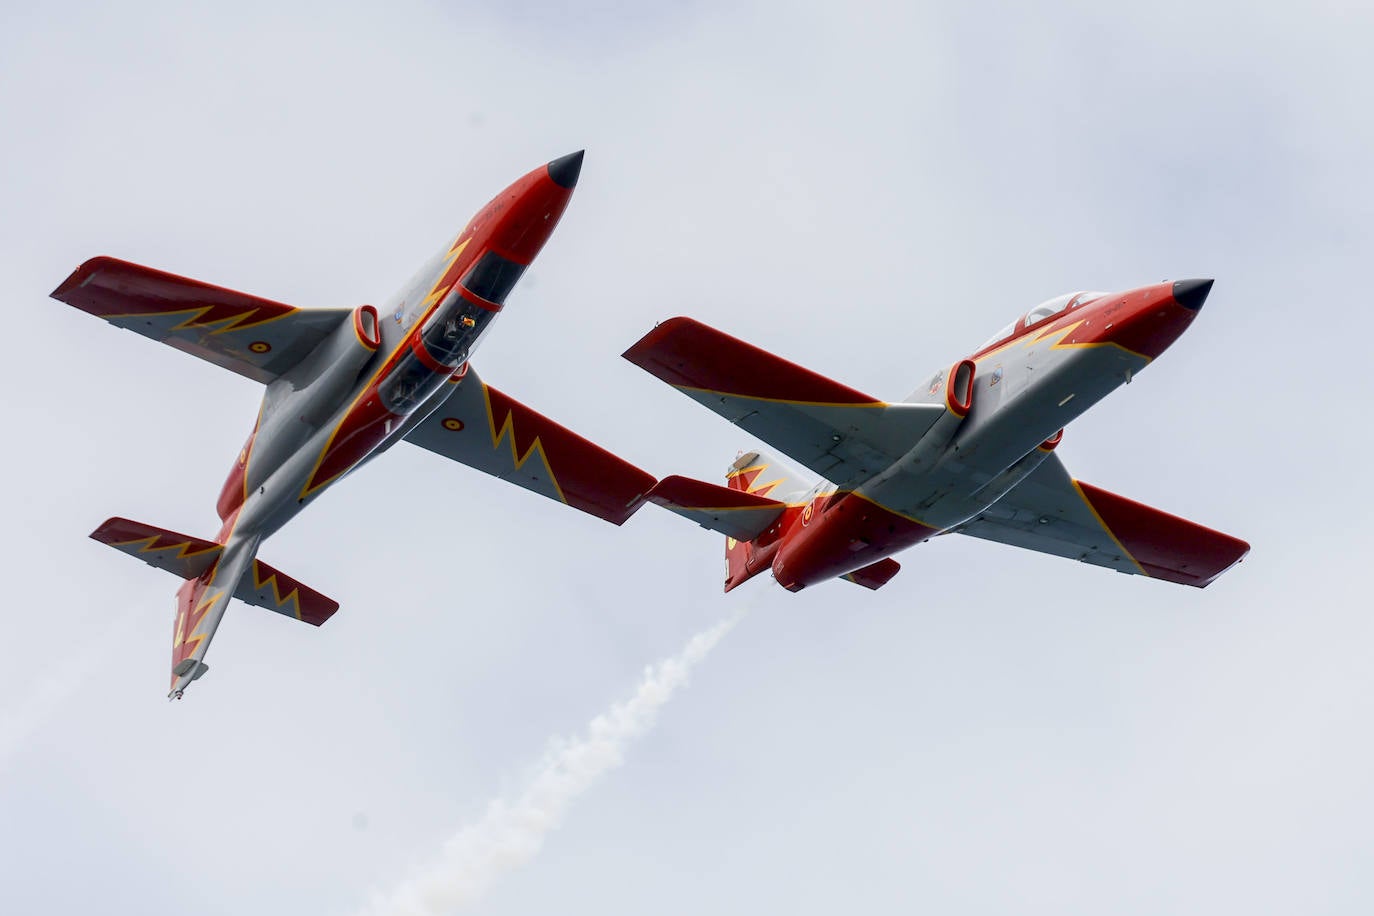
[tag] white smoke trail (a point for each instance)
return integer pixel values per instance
(512, 831)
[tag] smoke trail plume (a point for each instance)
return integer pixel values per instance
(512, 830)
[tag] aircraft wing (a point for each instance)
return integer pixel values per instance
(254, 337)
(844, 435)
(488, 430)
(1050, 512)
(734, 513)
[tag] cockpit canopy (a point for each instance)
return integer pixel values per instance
(1050, 308)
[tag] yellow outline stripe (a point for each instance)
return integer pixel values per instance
(1105, 527)
(509, 427)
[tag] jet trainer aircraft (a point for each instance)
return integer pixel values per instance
(342, 386)
(971, 451)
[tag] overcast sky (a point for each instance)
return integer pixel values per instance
(870, 190)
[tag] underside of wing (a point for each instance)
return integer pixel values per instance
(488, 430)
(734, 513)
(1052, 513)
(255, 337)
(189, 557)
(179, 554)
(840, 433)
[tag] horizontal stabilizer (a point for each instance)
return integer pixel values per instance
(734, 513)
(1052, 513)
(842, 434)
(188, 558)
(489, 430)
(875, 575)
(255, 337)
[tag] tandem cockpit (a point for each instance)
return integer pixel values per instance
(1049, 309)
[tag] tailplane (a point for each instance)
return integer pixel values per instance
(761, 500)
(764, 475)
(214, 573)
(761, 474)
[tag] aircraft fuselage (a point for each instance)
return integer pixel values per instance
(370, 383)
(1026, 386)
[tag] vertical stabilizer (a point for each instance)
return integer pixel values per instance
(760, 474)
(201, 603)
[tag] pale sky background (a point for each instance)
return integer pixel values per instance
(867, 189)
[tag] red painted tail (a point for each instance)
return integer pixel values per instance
(760, 475)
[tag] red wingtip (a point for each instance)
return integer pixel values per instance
(688, 354)
(1165, 546)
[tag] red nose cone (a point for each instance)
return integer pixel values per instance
(519, 221)
(1146, 320)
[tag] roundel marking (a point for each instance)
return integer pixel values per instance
(809, 511)
(452, 424)
(260, 346)
(731, 543)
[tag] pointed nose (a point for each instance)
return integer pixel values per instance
(1192, 293)
(564, 171)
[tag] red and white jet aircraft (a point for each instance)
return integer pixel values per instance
(342, 386)
(972, 451)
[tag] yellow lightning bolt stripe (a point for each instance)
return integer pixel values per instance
(185, 549)
(758, 489)
(763, 489)
(1026, 341)
(292, 597)
(202, 612)
(759, 468)
(431, 303)
(439, 290)
(1060, 345)
(238, 322)
(508, 429)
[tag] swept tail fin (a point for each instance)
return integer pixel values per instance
(201, 604)
(760, 502)
(761, 474)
